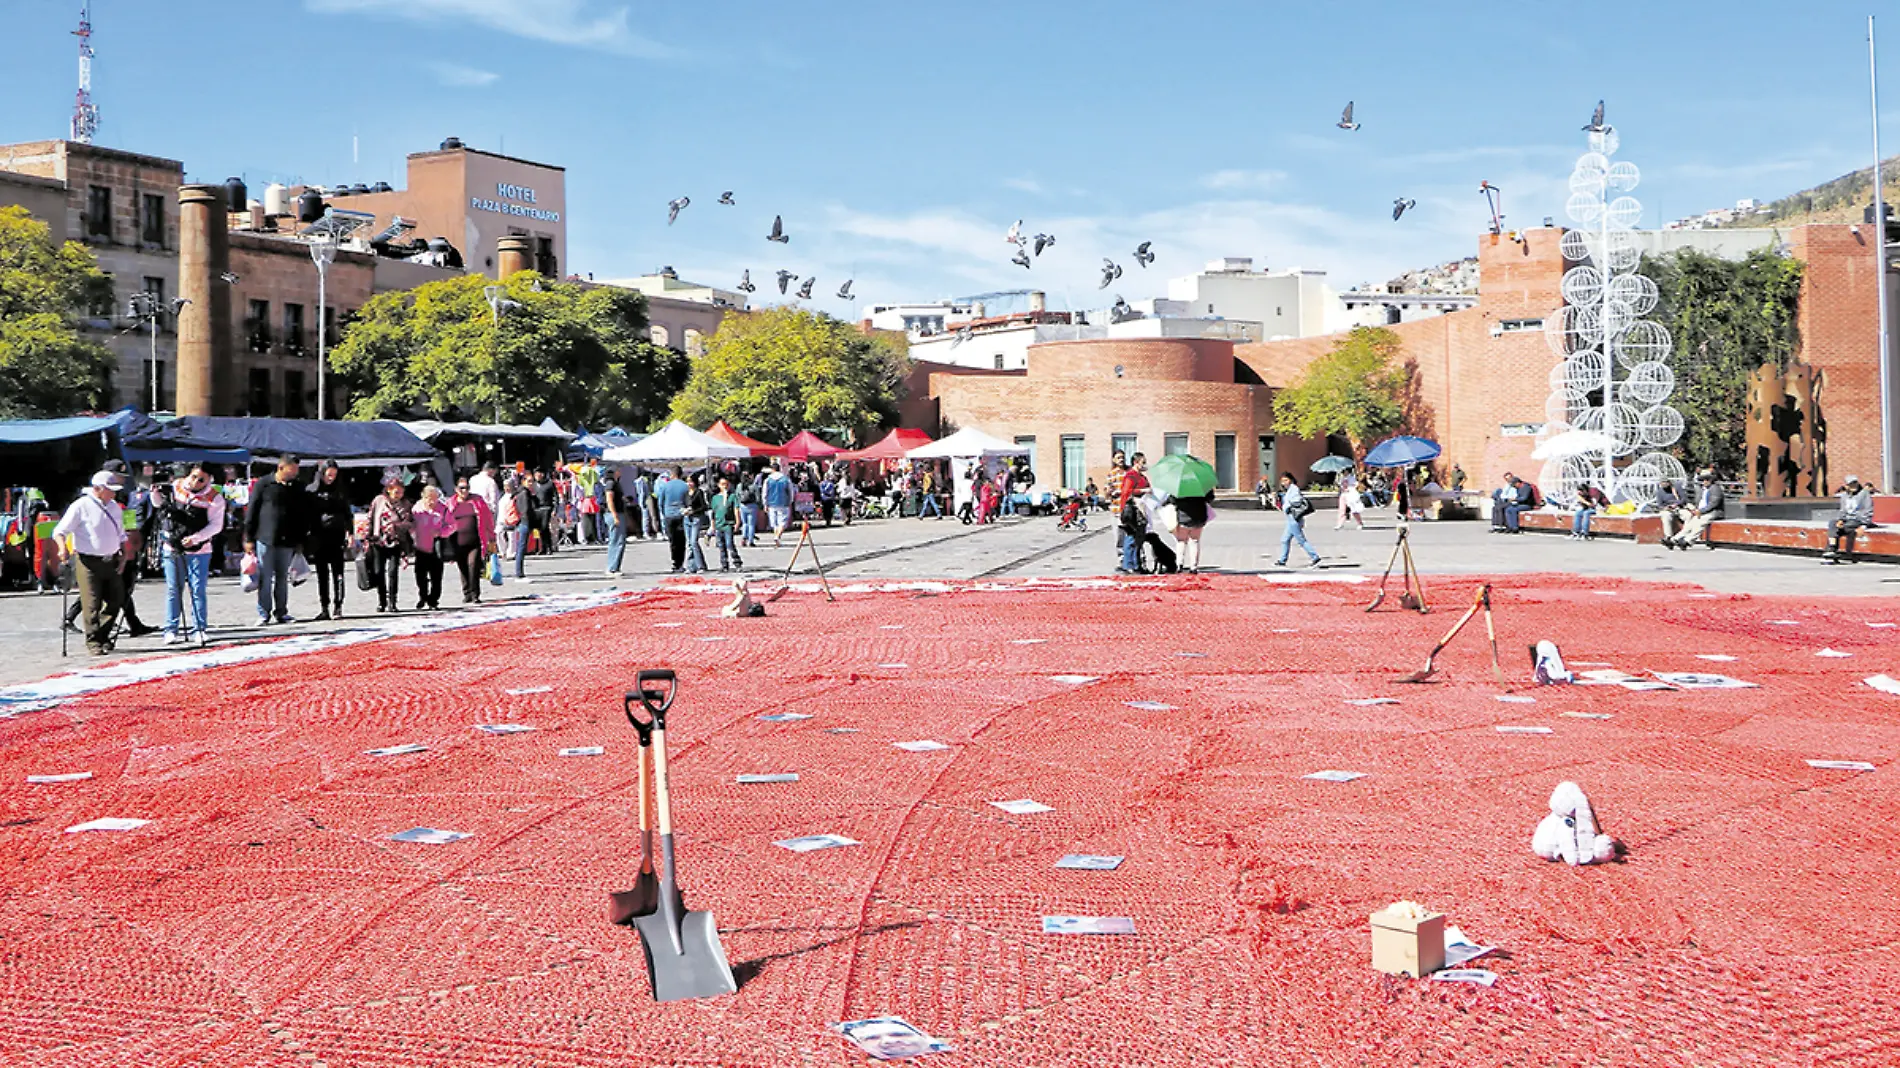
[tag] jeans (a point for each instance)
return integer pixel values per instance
(930, 507)
(1511, 514)
(695, 560)
(676, 539)
(1580, 520)
(273, 582)
(723, 535)
(522, 530)
(616, 545)
(749, 525)
(1295, 532)
(1131, 551)
(184, 570)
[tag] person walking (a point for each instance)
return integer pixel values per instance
(1709, 507)
(612, 509)
(541, 512)
(471, 538)
(1857, 513)
(194, 520)
(434, 544)
(670, 496)
(486, 484)
(1191, 516)
(92, 533)
(1295, 506)
(725, 508)
(929, 504)
(517, 510)
(698, 508)
(332, 525)
(274, 525)
(586, 478)
(778, 494)
(391, 530)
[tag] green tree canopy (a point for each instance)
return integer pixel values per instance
(1357, 390)
(47, 366)
(1727, 317)
(782, 370)
(576, 353)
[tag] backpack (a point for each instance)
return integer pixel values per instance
(1133, 520)
(510, 512)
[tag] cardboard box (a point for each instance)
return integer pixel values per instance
(1406, 945)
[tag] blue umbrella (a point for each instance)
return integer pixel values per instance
(1402, 451)
(1331, 465)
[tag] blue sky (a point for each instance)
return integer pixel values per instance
(900, 140)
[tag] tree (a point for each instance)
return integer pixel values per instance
(782, 370)
(1355, 390)
(570, 352)
(47, 365)
(1727, 317)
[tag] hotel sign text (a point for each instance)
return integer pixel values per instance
(505, 205)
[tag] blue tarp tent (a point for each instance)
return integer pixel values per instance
(42, 431)
(148, 441)
(368, 444)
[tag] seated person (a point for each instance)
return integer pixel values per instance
(1709, 507)
(1857, 513)
(1510, 503)
(1590, 500)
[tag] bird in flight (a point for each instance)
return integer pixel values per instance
(726, 198)
(1596, 120)
(844, 291)
(745, 281)
(784, 277)
(1401, 206)
(778, 230)
(1120, 311)
(1345, 118)
(1015, 235)
(1142, 255)
(963, 334)
(1110, 271)
(1044, 241)
(804, 291)
(673, 208)
(1021, 259)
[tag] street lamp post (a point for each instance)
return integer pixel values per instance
(147, 308)
(322, 251)
(498, 302)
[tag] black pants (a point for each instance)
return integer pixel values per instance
(330, 577)
(1841, 533)
(468, 561)
(676, 539)
(386, 564)
(541, 521)
(428, 580)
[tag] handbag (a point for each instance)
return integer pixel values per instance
(365, 574)
(299, 569)
(494, 569)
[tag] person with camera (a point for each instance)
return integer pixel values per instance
(1295, 506)
(191, 519)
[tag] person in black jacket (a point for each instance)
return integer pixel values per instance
(274, 526)
(542, 493)
(1709, 507)
(332, 524)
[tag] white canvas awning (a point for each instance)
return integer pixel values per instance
(968, 443)
(430, 429)
(677, 444)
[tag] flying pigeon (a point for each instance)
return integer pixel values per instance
(963, 334)
(778, 230)
(726, 198)
(783, 278)
(745, 281)
(1400, 206)
(1596, 120)
(673, 208)
(1015, 235)
(1120, 311)
(1345, 118)
(804, 291)
(1021, 258)
(1142, 255)
(1044, 241)
(844, 291)
(1110, 271)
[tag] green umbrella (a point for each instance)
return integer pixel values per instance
(1181, 476)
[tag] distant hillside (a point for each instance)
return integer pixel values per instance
(1842, 200)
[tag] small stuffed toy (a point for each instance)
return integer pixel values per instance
(742, 606)
(1569, 833)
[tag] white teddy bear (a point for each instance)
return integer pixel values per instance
(1569, 833)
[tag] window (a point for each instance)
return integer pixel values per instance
(659, 336)
(1513, 326)
(1224, 458)
(1174, 444)
(102, 308)
(152, 220)
(544, 261)
(1122, 443)
(260, 391)
(293, 396)
(99, 212)
(329, 327)
(1268, 459)
(695, 342)
(293, 328)
(1075, 473)
(999, 361)
(257, 326)
(1028, 441)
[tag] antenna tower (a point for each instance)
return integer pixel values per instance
(85, 112)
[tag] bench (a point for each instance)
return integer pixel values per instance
(1760, 535)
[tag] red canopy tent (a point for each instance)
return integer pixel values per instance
(809, 446)
(891, 446)
(724, 432)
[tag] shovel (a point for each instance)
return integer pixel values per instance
(1414, 595)
(684, 957)
(1483, 600)
(624, 905)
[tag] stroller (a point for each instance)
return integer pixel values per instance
(1072, 517)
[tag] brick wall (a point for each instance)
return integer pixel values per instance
(1839, 322)
(280, 272)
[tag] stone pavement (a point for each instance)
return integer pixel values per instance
(1239, 540)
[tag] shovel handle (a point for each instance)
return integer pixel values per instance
(644, 726)
(656, 689)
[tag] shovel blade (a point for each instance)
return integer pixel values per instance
(644, 898)
(684, 957)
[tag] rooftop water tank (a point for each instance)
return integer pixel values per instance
(235, 195)
(277, 199)
(382, 187)
(451, 142)
(309, 206)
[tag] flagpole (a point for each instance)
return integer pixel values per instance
(1889, 474)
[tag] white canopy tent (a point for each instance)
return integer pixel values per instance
(967, 444)
(677, 444)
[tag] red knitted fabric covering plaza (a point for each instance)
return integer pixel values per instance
(264, 916)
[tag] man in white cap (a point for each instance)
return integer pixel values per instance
(1857, 512)
(93, 531)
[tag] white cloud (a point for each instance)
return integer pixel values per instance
(461, 77)
(1242, 179)
(563, 22)
(1025, 185)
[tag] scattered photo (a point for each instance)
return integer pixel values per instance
(785, 717)
(712, 638)
(1586, 715)
(1089, 862)
(781, 776)
(584, 750)
(1720, 658)
(429, 836)
(1335, 776)
(1603, 677)
(1149, 706)
(920, 747)
(109, 823)
(399, 750)
(894, 666)
(1524, 730)
(1784, 622)
(1883, 626)
(503, 728)
(49, 780)
(1646, 684)
(1832, 653)
(1692, 680)
(1841, 765)
(892, 626)
(1460, 949)
(1027, 641)
(1884, 684)
(1076, 680)
(811, 843)
(1514, 699)
(1022, 807)
(669, 624)
(1087, 925)
(523, 691)
(1367, 702)
(1476, 976)
(1192, 656)
(841, 730)
(889, 1038)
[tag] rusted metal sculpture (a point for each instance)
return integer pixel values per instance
(1784, 432)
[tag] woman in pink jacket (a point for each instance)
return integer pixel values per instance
(432, 547)
(470, 538)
